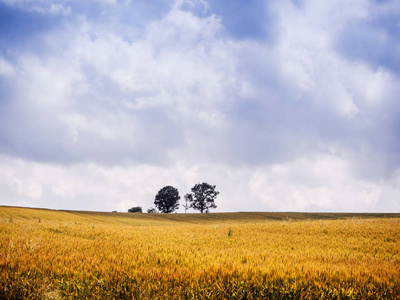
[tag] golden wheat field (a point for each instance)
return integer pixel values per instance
(46, 254)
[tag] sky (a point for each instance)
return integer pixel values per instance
(284, 105)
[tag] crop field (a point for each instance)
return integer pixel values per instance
(47, 254)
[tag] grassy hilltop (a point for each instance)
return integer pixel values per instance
(143, 219)
(48, 254)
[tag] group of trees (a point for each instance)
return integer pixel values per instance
(201, 198)
(136, 209)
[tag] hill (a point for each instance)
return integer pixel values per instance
(143, 219)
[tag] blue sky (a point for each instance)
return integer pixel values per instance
(283, 105)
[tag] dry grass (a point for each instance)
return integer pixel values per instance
(48, 254)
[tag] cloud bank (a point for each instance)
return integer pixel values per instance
(284, 105)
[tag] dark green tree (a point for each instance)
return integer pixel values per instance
(202, 197)
(136, 209)
(167, 199)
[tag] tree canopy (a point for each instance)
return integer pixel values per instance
(202, 197)
(167, 199)
(136, 209)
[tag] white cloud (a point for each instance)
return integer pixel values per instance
(81, 186)
(60, 7)
(108, 113)
(317, 183)
(321, 183)
(6, 69)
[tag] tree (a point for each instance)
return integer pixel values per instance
(167, 199)
(136, 209)
(202, 197)
(152, 210)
